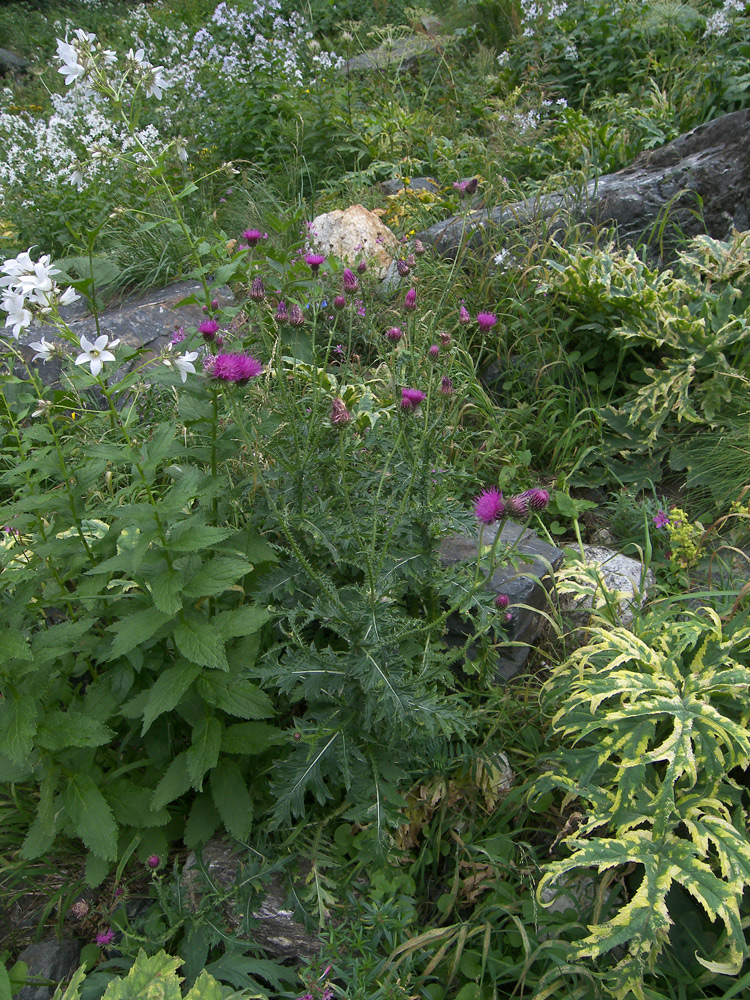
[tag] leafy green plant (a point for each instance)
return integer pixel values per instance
(654, 724)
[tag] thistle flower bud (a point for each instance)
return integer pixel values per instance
(257, 290)
(410, 302)
(362, 267)
(339, 415)
(518, 507)
(502, 601)
(403, 268)
(296, 316)
(394, 334)
(281, 314)
(538, 499)
(434, 352)
(419, 248)
(339, 302)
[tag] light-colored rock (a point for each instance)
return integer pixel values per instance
(602, 578)
(355, 233)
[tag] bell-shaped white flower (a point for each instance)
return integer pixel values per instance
(44, 349)
(96, 354)
(18, 316)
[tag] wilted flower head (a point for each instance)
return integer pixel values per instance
(463, 315)
(403, 268)
(445, 338)
(254, 236)
(281, 314)
(465, 188)
(79, 909)
(314, 260)
(296, 316)
(410, 301)
(485, 321)
(446, 386)
(489, 506)
(349, 280)
(394, 334)
(257, 290)
(230, 367)
(339, 413)
(411, 398)
(419, 248)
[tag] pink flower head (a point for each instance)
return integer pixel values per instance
(208, 328)
(538, 499)
(339, 413)
(314, 260)
(486, 320)
(434, 351)
(463, 315)
(214, 303)
(296, 316)
(257, 290)
(281, 314)
(362, 267)
(660, 519)
(349, 280)
(239, 368)
(502, 601)
(410, 302)
(445, 338)
(489, 506)
(254, 236)
(518, 507)
(411, 398)
(178, 336)
(153, 861)
(394, 334)
(339, 302)
(446, 386)
(105, 938)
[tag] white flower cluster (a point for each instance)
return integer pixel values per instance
(29, 289)
(720, 22)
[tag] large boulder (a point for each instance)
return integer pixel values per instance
(700, 182)
(355, 233)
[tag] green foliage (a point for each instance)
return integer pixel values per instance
(654, 722)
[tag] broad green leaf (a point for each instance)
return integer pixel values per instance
(36, 842)
(58, 730)
(203, 821)
(204, 751)
(191, 536)
(131, 804)
(18, 723)
(201, 642)
(232, 798)
(257, 550)
(216, 575)
(153, 978)
(236, 696)
(205, 988)
(158, 447)
(91, 816)
(97, 869)
(174, 783)
(167, 690)
(73, 989)
(5, 993)
(135, 629)
(245, 620)
(13, 646)
(251, 737)
(166, 588)
(58, 639)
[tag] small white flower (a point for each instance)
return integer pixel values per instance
(71, 69)
(77, 178)
(96, 354)
(42, 405)
(155, 83)
(44, 350)
(68, 296)
(183, 362)
(18, 315)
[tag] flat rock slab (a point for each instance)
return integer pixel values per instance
(142, 321)
(403, 54)
(53, 960)
(525, 583)
(11, 63)
(396, 185)
(701, 179)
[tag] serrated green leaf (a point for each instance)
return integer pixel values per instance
(13, 646)
(166, 590)
(236, 696)
(131, 804)
(55, 640)
(18, 722)
(167, 690)
(73, 989)
(36, 842)
(191, 536)
(91, 816)
(204, 751)
(251, 737)
(97, 869)
(257, 550)
(58, 730)
(135, 629)
(232, 798)
(245, 620)
(5, 993)
(153, 978)
(155, 450)
(203, 821)
(205, 988)
(216, 575)
(201, 642)
(174, 783)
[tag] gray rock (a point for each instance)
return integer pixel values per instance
(12, 64)
(525, 584)
(602, 573)
(52, 960)
(396, 185)
(402, 54)
(277, 932)
(702, 179)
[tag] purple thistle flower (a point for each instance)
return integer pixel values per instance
(502, 601)
(239, 368)
(411, 398)
(446, 386)
(538, 499)
(153, 861)
(340, 416)
(362, 267)
(394, 334)
(281, 314)
(518, 507)
(254, 236)
(434, 351)
(257, 290)
(463, 315)
(350, 281)
(403, 268)
(178, 336)
(486, 320)
(660, 519)
(105, 937)
(296, 316)
(339, 302)
(410, 302)
(489, 506)
(314, 260)
(208, 328)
